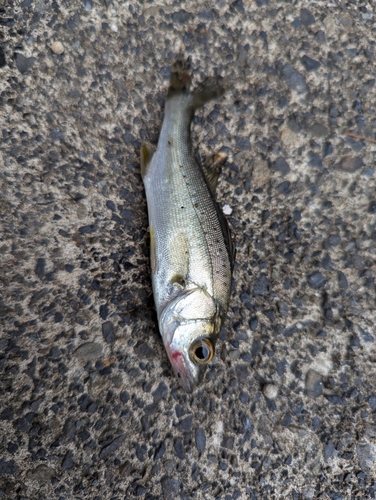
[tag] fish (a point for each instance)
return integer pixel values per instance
(192, 252)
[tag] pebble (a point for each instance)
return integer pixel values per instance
(294, 79)
(57, 47)
(313, 383)
(91, 351)
(306, 17)
(349, 164)
(309, 63)
(23, 63)
(227, 210)
(41, 474)
(112, 447)
(316, 280)
(281, 165)
(200, 438)
(170, 488)
(270, 391)
(318, 130)
(366, 453)
(108, 332)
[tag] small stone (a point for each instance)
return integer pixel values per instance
(281, 165)
(284, 187)
(181, 17)
(170, 488)
(40, 267)
(366, 336)
(57, 47)
(111, 205)
(67, 462)
(227, 210)
(349, 164)
(6, 414)
(243, 143)
(306, 17)
(316, 280)
(25, 4)
(270, 391)
(313, 383)
(186, 424)
(7, 467)
(103, 311)
(314, 160)
(253, 322)
(228, 442)
(342, 281)
(318, 130)
(179, 448)
(24, 63)
(200, 438)
(283, 308)
(41, 474)
(310, 64)
(144, 351)
(333, 241)
(260, 285)
(286, 420)
(329, 451)
(91, 228)
(108, 332)
(294, 79)
(90, 351)
(366, 453)
(113, 446)
(160, 392)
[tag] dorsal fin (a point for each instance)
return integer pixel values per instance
(211, 171)
(230, 244)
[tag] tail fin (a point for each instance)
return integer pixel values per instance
(180, 76)
(209, 89)
(180, 80)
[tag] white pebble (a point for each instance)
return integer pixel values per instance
(227, 210)
(270, 391)
(114, 27)
(57, 48)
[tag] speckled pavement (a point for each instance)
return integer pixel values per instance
(89, 408)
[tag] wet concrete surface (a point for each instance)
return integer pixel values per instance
(89, 407)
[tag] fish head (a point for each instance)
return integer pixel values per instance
(190, 352)
(189, 335)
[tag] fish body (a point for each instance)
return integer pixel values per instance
(190, 244)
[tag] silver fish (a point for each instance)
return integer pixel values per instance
(191, 249)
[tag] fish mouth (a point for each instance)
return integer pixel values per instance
(183, 372)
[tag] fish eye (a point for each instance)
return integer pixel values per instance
(202, 351)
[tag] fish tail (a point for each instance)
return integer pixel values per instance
(209, 89)
(180, 80)
(180, 76)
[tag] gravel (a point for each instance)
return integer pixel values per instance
(90, 407)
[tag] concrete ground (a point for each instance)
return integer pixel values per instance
(89, 407)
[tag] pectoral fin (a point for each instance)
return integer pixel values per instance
(179, 257)
(146, 155)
